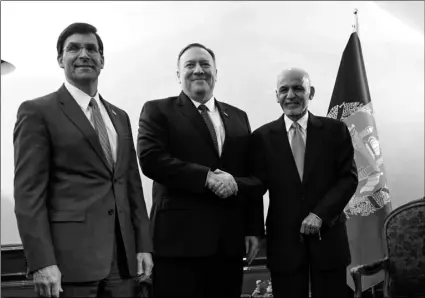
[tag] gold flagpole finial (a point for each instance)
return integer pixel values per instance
(356, 21)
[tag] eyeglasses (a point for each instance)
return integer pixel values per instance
(76, 48)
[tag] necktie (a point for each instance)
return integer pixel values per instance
(208, 122)
(100, 128)
(298, 148)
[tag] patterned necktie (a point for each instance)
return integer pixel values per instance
(298, 148)
(100, 128)
(210, 125)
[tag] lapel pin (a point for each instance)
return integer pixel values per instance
(113, 112)
(225, 114)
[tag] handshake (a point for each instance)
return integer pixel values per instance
(222, 184)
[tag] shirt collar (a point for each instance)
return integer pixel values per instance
(302, 121)
(82, 98)
(210, 104)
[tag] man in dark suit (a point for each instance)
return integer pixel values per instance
(307, 164)
(78, 196)
(193, 146)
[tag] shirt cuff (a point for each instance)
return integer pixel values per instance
(208, 175)
(317, 217)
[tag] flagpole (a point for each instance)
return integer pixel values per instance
(356, 21)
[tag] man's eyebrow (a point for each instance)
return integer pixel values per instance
(79, 43)
(201, 60)
(293, 86)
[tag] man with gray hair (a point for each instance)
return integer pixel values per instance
(307, 164)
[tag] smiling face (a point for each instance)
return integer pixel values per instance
(197, 74)
(81, 60)
(294, 92)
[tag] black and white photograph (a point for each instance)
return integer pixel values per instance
(202, 149)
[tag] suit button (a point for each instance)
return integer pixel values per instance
(111, 211)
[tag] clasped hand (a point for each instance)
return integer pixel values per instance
(222, 184)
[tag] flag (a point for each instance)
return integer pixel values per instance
(367, 209)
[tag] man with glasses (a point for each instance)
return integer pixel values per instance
(79, 201)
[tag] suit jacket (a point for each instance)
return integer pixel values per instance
(67, 198)
(175, 150)
(329, 181)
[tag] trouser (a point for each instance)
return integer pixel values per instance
(324, 283)
(200, 277)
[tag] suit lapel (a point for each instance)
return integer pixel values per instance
(281, 143)
(313, 146)
(73, 111)
(189, 110)
(118, 128)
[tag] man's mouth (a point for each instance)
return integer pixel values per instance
(84, 66)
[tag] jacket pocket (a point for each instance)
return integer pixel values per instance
(67, 215)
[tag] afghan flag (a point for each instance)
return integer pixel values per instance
(367, 209)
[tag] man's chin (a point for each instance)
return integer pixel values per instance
(292, 112)
(199, 85)
(86, 77)
(198, 94)
(199, 91)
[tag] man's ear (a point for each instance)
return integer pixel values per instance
(312, 92)
(60, 61)
(216, 72)
(102, 62)
(178, 76)
(277, 96)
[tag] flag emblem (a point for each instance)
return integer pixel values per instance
(372, 193)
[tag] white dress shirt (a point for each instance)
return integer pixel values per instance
(83, 101)
(214, 114)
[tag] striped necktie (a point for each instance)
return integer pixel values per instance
(298, 148)
(210, 125)
(100, 128)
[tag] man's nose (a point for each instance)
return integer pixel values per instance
(83, 53)
(198, 69)
(291, 94)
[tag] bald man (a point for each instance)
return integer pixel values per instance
(307, 164)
